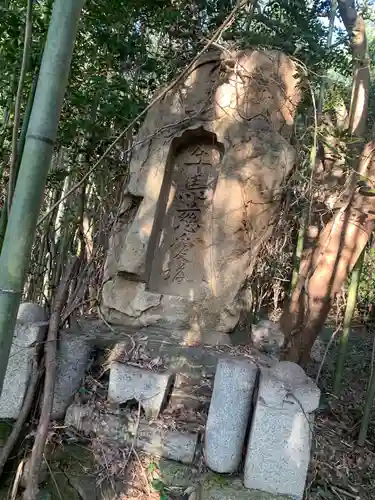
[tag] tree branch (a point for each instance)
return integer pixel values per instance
(31, 492)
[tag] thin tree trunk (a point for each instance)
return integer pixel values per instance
(349, 312)
(325, 268)
(369, 403)
(17, 109)
(332, 17)
(355, 26)
(31, 492)
(41, 135)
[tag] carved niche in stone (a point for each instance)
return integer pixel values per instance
(204, 183)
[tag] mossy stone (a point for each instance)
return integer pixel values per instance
(223, 487)
(175, 474)
(5, 430)
(58, 487)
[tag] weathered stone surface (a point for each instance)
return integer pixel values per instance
(31, 313)
(267, 336)
(216, 487)
(150, 389)
(72, 360)
(5, 431)
(278, 452)
(229, 413)
(84, 485)
(194, 216)
(30, 329)
(154, 440)
(166, 343)
(191, 391)
(72, 468)
(177, 475)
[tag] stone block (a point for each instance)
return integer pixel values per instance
(157, 441)
(150, 389)
(278, 452)
(72, 360)
(192, 392)
(176, 474)
(31, 327)
(216, 487)
(229, 413)
(267, 336)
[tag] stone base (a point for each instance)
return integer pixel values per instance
(217, 487)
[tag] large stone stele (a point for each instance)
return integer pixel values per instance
(205, 178)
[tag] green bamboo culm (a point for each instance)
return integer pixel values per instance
(3, 223)
(35, 163)
(349, 312)
(25, 123)
(21, 145)
(369, 403)
(299, 250)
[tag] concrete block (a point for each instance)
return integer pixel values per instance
(278, 452)
(31, 328)
(72, 360)
(150, 389)
(229, 413)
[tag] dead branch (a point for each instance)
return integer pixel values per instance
(32, 480)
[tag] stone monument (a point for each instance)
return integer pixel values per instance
(206, 172)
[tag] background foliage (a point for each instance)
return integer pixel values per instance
(124, 52)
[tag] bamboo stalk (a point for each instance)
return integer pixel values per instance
(349, 311)
(369, 402)
(299, 250)
(17, 110)
(35, 163)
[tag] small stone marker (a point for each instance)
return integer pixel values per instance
(278, 452)
(72, 360)
(267, 336)
(229, 413)
(150, 389)
(30, 329)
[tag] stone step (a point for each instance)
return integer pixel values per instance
(167, 344)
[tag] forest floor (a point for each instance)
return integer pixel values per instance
(339, 469)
